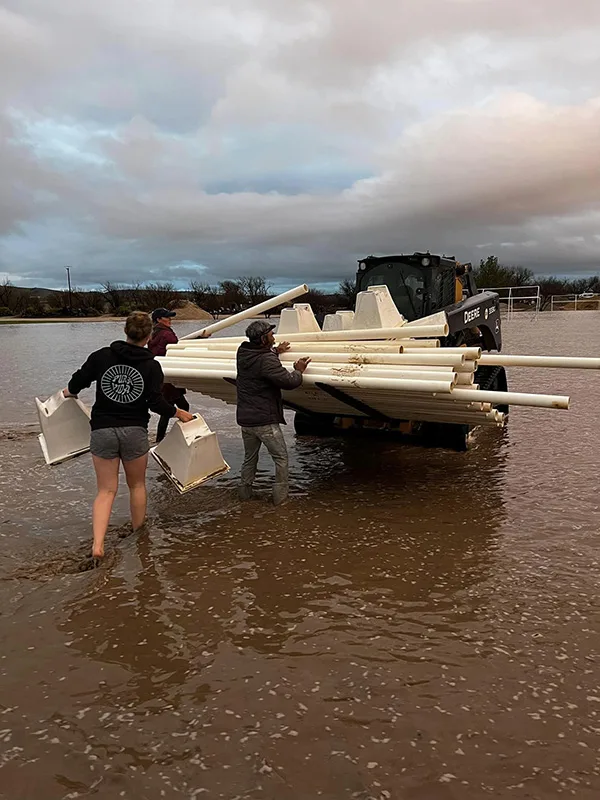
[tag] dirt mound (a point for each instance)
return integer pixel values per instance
(191, 311)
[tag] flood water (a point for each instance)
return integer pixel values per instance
(413, 624)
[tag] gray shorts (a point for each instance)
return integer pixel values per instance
(124, 443)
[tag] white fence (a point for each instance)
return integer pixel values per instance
(562, 299)
(526, 295)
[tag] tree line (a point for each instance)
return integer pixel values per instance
(117, 299)
(231, 296)
(491, 274)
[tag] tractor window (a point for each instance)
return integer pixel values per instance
(406, 284)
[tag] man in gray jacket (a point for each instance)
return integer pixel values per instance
(260, 379)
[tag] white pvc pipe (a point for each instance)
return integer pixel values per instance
(387, 359)
(512, 398)
(419, 343)
(435, 358)
(470, 353)
(179, 374)
(439, 318)
(564, 362)
(368, 334)
(232, 343)
(358, 371)
(412, 385)
(425, 359)
(405, 402)
(319, 369)
(426, 400)
(468, 366)
(423, 331)
(286, 297)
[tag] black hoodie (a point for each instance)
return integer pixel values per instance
(128, 383)
(260, 379)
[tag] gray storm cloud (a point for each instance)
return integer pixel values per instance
(290, 138)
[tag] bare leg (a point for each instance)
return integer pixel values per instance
(107, 478)
(135, 473)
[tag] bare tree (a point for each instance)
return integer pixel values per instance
(113, 295)
(255, 288)
(233, 298)
(347, 293)
(158, 295)
(201, 292)
(206, 297)
(8, 295)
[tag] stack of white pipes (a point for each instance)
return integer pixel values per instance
(399, 373)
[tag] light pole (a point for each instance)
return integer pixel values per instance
(70, 297)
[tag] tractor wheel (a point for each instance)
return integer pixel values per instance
(446, 435)
(493, 379)
(313, 424)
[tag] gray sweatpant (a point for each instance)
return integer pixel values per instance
(272, 438)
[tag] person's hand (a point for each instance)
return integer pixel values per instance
(302, 364)
(67, 393)
(184, 416)
(205, 335)
(282, 347)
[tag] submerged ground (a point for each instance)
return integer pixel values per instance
(414, 624)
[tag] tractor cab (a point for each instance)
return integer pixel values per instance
(422, 284)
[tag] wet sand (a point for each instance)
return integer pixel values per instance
(413, 624)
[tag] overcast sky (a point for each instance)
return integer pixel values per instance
(178, 139)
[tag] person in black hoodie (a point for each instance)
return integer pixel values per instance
(128, 385)
(260, 379)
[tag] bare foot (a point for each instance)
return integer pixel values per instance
(89, 563)
(98, 550)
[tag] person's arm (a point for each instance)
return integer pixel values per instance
(275, 373)
(170, 337)
(83, 378)
(156, 400)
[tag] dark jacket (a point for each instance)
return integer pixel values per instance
(128, 383)
(162, 335)
(260, 379)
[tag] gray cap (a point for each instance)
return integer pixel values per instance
(256, 330)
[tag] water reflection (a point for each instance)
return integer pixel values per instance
(136, 620)
(411, 615)
(388, 544)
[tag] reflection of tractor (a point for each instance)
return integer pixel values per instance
(422, 284)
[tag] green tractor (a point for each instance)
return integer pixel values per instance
(423, 284)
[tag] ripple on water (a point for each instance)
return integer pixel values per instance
(414, 623)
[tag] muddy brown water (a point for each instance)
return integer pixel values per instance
(414, 624)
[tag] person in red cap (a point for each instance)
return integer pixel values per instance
(162, 335)
(260, 379)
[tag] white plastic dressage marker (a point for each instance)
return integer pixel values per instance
(190, 454)
(65, 426)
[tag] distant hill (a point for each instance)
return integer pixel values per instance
(38, 291)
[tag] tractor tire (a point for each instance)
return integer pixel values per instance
(313, 424)
(493, 379)
(446, 435)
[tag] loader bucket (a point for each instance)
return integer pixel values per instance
(190, 454)
(65, 426)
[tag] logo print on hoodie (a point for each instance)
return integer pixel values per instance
(122, 383)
